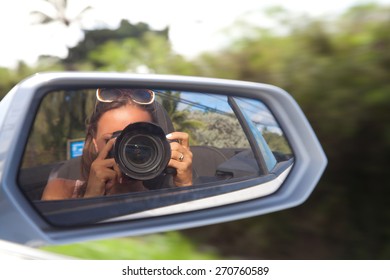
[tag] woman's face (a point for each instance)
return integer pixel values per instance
(117, 119)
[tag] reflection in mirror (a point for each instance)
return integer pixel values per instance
(168, 147)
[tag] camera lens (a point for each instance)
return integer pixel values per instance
(142, 151)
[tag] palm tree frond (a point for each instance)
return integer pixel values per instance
(60, 8)
(81, 14)
(42, 18)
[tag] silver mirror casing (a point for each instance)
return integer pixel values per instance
(21, 222)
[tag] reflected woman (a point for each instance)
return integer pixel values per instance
(115, 109)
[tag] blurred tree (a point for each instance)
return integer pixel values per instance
(7, 81)
(96, 38)
(129, 48)
(61, 117)
(222, 132)
(276, 142)
(10, 77)
(339, 73)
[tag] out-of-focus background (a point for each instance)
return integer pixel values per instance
(333, 57)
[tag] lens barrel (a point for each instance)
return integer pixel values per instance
(142, 151)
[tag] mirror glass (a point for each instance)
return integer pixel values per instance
(108, 154)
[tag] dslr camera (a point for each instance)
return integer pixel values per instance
(141, 150)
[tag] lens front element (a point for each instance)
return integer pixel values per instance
(142, 151)
(139, 154)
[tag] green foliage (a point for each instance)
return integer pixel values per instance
(149, 53)
(223, 132)
(96, 38)
(276, 142)
(167, 246)
(10, 77)
(130, 48)
(61, 117)
(339, 73)
(7, 81)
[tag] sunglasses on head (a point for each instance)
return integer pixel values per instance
(138, 96)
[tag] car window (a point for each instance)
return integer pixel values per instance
(222, 147)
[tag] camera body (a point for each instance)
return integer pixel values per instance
(141, 150)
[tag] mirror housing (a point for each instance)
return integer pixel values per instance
(17, 113)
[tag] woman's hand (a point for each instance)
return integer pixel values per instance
(104, 173)
(181, 158)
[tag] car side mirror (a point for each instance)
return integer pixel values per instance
(253, 152)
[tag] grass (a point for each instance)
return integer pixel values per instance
(165, 246)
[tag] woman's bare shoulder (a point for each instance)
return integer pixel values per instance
(59, 188)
